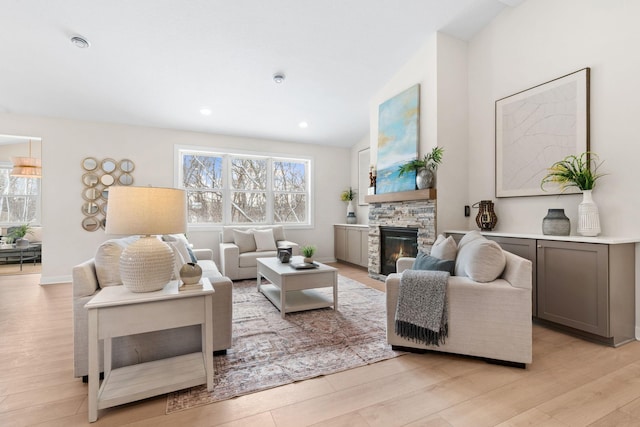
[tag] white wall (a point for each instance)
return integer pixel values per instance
(440, 67)
(66, 142)
(541, 40)
(362, 211)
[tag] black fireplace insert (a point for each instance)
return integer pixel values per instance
(396, 242)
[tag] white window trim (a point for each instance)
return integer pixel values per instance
(197, 149)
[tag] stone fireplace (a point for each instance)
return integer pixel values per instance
(417, 214)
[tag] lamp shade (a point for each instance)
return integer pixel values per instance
(146, 210)
(28, 167)
(147, 264)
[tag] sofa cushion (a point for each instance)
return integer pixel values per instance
(264, 240)
(250, 259)
(107, 260)
(178, 259)
(244, 240)
(428, 262)
(481, 260)
(444, 248)
(469, 237)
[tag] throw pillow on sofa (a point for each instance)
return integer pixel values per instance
(428, 262)
(184, 246)
(107, 260)
(444, 248)
(264, 240)
(480, 259)
(244, 240)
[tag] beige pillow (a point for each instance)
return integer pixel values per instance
(178, 260)
(264, 240)
(444, 248)
(278, 233)
(469, 237)
(482, 260)
(244, 240)
(107, 261)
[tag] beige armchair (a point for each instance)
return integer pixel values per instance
(490, 320)
(240, 247)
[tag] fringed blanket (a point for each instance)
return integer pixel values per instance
(421, 314)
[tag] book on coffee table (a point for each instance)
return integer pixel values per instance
(304, 265)
(194, 287)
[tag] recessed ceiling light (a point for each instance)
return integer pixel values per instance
(80, 42)
(205, 111)
(303, 125)
(278, 78)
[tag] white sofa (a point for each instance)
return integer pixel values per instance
(240, 247)
(491, 320)
(102, 270)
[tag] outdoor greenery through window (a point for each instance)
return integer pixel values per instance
(229, 188)
(19, 198)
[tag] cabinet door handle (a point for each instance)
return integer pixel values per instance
(539, 246)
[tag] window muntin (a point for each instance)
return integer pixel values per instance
(19, 198)
(232, 188)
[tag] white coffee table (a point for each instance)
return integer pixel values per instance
(293, 290)
(116, 311)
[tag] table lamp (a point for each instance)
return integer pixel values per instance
(147, 264)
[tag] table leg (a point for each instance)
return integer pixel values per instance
(335, 291)
(283, 294)
(207, 345)
(94, 368)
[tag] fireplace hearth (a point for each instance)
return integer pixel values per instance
(396, 242)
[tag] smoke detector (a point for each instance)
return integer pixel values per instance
(80, 42)
(278, 78)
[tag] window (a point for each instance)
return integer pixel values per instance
(19, 198)
(235, 188)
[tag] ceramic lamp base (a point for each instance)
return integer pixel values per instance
(146, 265)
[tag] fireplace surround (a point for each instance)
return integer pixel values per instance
(416, 214)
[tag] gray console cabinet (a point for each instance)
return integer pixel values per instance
(352, 244)
(581, 285)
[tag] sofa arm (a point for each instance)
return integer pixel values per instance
(84, 279)
(203, 254)
(404, 263)
(229, 259)
(295, 248)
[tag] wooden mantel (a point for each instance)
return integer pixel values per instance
(402, 196)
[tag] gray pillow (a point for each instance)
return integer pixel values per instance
(428, 262)
(444, 248)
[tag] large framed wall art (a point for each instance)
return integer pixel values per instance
(538, 127)
(398, 130)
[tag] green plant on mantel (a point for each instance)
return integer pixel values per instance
(430, 161)
(579, 171)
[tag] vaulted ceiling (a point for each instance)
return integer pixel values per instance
(159, 62)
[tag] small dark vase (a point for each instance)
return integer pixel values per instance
(556, 223)
(486, 218)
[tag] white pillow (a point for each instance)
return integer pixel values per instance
(179, 260)
(469, 237)
(264, 240)
(444, 248)
(181, 247)
(244, 240)
(107, 260)
(482, 260)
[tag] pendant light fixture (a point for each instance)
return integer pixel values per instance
(27, 167)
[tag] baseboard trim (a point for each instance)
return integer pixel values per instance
(54, 280)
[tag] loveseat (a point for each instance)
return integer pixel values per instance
(103, 270)
(240, 247)
(489, 302)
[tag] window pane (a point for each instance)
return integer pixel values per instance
(289, 176)
(290, 208)
(204, 207)
(248, 174)
(248, 207)
(201, 171)
(19, 198)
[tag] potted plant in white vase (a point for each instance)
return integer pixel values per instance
(348, 196)
(425, 168)
(580, 171)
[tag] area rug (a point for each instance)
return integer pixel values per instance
(269, 351)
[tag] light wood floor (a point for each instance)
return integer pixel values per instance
(571, 382)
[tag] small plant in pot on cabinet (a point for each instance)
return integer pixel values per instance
(308, 251)
(425, 168)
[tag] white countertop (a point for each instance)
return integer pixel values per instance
(608, 240)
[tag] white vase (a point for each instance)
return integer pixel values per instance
(588, 216)
(350, 207)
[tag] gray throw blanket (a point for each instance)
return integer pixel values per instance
(421, 314)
